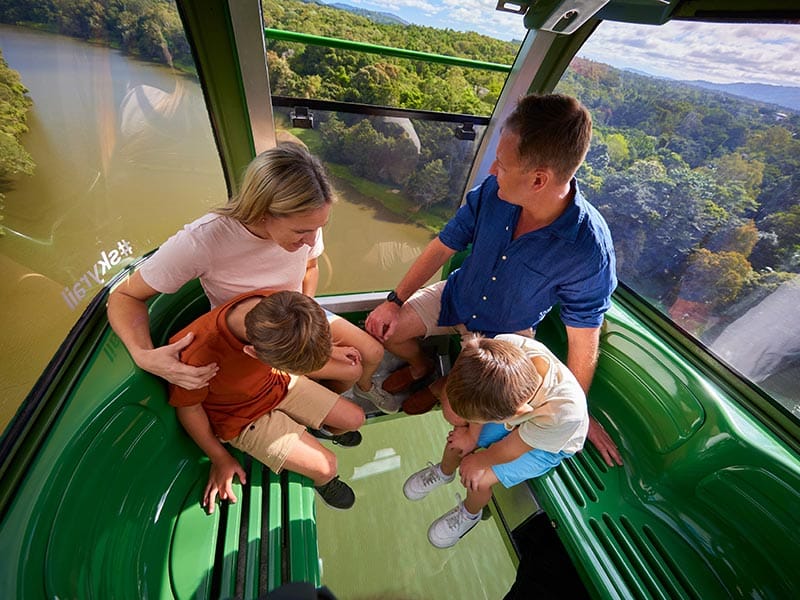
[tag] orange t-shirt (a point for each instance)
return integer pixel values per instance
(243, 389)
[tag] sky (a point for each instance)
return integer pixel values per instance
(714, 52)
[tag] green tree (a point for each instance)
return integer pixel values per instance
(429, 185)
(715, 278)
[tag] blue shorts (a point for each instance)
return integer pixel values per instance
(532, 464)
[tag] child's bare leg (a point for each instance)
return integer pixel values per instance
(451, 458)
(344, 416)
(310, 458)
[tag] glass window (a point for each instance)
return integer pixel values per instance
(111, 152)
(397, 181)
(398, 178)
(695, 164)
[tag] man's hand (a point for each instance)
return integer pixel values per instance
(382, 321)
(166, 363)
(603, 442)
(220, 482)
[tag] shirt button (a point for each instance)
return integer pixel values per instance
(494, 278)
(503, 257)
(474, 316)
(506, 227)
(484, 297)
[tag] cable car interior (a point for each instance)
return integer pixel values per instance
(101, 486)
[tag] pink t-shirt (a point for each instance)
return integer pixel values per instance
(228, 259)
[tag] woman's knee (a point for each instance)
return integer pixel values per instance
(372, 352)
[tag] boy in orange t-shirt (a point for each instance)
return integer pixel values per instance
(253, 402)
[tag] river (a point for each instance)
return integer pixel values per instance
(125, 156)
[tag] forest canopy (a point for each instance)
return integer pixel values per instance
(14, 106)
(701, 189)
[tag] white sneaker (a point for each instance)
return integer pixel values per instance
(422, 482)
(382, 399)
(445, 531)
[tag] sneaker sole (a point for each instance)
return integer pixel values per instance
(331, 506)
(455, 542)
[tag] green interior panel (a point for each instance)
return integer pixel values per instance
(705, 505)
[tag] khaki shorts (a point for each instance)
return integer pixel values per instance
(427, 303)
(270, 438)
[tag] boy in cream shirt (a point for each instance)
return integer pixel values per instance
(512, 397)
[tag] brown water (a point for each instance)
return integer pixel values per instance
(125, 156)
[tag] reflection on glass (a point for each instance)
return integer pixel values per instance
(398, 180)
(123, 156)
(697, 177)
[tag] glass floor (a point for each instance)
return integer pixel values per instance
(380, 549)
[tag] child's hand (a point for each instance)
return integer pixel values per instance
(220, 482)
(461, 440)
(472, 472)
(346, 354)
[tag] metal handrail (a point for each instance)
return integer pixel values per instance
(318, 40)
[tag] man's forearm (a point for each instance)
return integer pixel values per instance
(583, 347)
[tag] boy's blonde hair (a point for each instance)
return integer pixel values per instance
(490, 380)
(279, 182)
(289, 332)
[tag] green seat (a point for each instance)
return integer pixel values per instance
(109, 505)
(706, 504)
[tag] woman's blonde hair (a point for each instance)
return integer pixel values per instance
(289, 332)
(490, 380)
(281, 181)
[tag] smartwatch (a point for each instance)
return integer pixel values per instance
(392, 297)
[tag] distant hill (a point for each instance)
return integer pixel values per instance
(373, 15)
(782, 95)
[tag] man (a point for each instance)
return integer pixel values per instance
(535, 242)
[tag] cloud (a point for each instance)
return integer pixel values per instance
(756, 53)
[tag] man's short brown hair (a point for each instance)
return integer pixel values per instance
(490, 380)
(289, 332)
(554, 132)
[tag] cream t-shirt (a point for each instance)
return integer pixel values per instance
(560, 419)
(228, 259)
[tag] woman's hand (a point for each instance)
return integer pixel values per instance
(166, 363)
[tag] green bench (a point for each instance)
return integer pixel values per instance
(707, 504)
(107, 504)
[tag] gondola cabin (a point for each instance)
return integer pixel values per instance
(142, 116)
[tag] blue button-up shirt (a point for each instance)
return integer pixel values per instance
(508, 285)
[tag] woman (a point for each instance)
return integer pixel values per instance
(268, 236)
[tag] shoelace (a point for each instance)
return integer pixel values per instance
(455, 517)
(431, 475)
